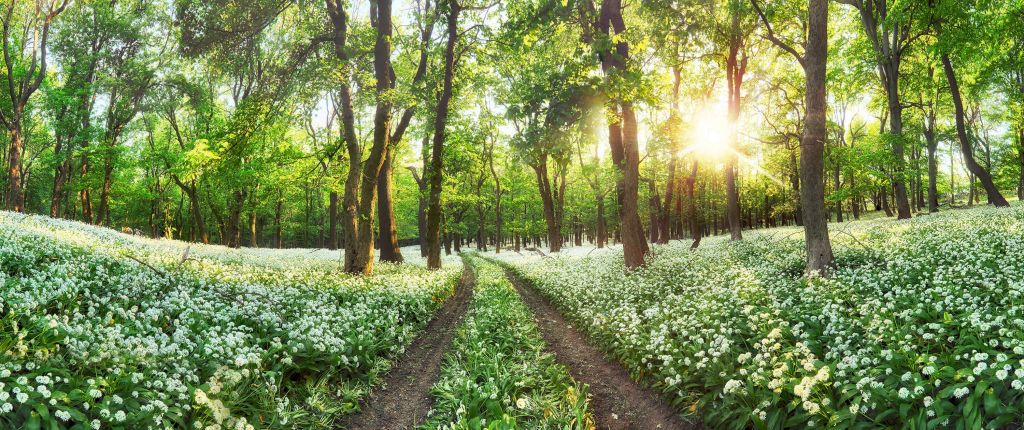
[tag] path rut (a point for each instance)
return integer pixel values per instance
(617, 401)
(403, 400)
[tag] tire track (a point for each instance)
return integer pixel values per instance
(618, 402)
(403, 399)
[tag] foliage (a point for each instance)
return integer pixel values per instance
(918, 326)
(497, 374)
(104, 330)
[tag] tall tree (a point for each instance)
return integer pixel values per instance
(435, 172)
(891, 26)
(812, 144)
(613, 50)
(26, 33)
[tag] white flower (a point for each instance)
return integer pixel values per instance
(731, 385)
(62, 415)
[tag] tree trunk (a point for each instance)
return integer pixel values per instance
(735, 69)
(332, 235)
(622, 138)
(497, 200)
(102, 212)
(548, 203)
(1020, 154)
(994, 196)
(15, 197)
(653, 210)
(933, 168)
(812, 145)
(691, 207)
(436, 172)
(389, 250)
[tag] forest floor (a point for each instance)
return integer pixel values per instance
(617, 400)
(403, 400)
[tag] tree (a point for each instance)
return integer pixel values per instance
(26, 33)
(950, 25)
(891, 27)
(612, 47)
(812, 144)
(435, 171)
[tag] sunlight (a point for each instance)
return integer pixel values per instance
(708, 136)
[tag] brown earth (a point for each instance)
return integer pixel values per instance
(617, 401)
(403, 400)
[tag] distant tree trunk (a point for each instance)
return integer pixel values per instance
(253, 233)
(665, 220)
(994, 196)
(602, 226)
(836, 177)
(691, 207)
(1020, 154)
(554, 230)
(198, 225)
(233, 231)
(278, 237)
(481, 215)
(421, 211)
(933, 169)
(103, 210)
(332, 235)
(736, 67)
(653, 209)
(497, 199)
(440, 121)
(794, 181)
(884, 199)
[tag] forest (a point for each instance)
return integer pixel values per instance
(440, 213)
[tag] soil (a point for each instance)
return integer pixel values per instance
(617, 401)
(403, 399)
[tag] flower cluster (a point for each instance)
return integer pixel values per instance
(920, 323)
(107, 330)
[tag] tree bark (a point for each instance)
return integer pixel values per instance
(497, 199)
(435, 175)
(332, 209)
(812, 145)
(994, 196)
(736, 67)
(622, 137)
(554, 230)
(389, 250)
(1020, 156)
(691, 207)
(933, 169)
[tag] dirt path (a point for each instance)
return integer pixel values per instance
(403, 400)
(617, 401)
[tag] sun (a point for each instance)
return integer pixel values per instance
(708, 136)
